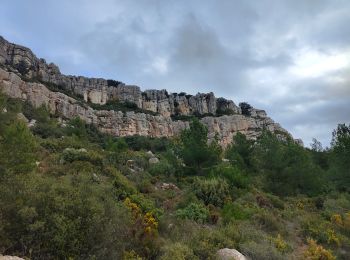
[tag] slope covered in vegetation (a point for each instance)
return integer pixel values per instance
(70, 192)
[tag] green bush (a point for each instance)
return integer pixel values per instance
(232, 174)
(138, 143)
(41, 114)
(177, 251)
(46, 130)
(269, 222)
(262, 250)
(70, 218)
(70, 155)
(162, 168)
(123, 106)
(213, 191)
(194, 211)
(234, 211)
(122, 186)
(18, 149)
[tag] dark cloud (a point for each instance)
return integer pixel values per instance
(291, 58)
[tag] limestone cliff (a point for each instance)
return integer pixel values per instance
(21, 71)
(21, 60)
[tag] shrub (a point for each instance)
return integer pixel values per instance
(275, 201)
(232, 174)
(114, 83)
(177, 251)
(262, 250)
(122, 187)
(245, 107)
(17, 148)
(234, 211)
(131, 255)
(315, 252)
(41, 114)
(194, 211)
(213, 191)
(49, 129)
(123, 106)
(280, 244)
(138, 143)
(61, 218)
(145, 228)
(224, 111)
(269, 222)
(70, 155)
(320, 230)
(162, 168)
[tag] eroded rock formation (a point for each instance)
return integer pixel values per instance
(21, 71)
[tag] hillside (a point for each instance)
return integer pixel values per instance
(96, 169)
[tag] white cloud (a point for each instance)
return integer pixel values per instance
(313, 63)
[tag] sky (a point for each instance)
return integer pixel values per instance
(290, 58)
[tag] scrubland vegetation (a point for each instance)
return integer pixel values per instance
(68, 191)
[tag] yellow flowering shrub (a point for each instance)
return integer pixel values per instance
(135, 210)
(332, 237)
(337, 219)
(145, 222)
(131, 255)
(317, 252)
(300, 205)
(280, 244)
(150, 224)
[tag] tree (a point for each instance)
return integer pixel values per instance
(194, 149)
(316, 145)
(287, 167)
(17, 149)
(240, 151)
(319, 155)
(245, 107)
(340, 156)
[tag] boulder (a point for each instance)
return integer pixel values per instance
(229, 254)
(169, 186)
(150, 154)
(32, 123)
(8, 257)
(22, 117)
(153, 160)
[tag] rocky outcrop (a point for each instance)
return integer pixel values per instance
(130, 123)
(21, 71)
(113, 122)
(21, 60)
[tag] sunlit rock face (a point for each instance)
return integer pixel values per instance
(24, 76)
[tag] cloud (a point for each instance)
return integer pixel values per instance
(288, 57)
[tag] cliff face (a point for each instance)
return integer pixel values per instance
(20, 59)
(18, 63)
